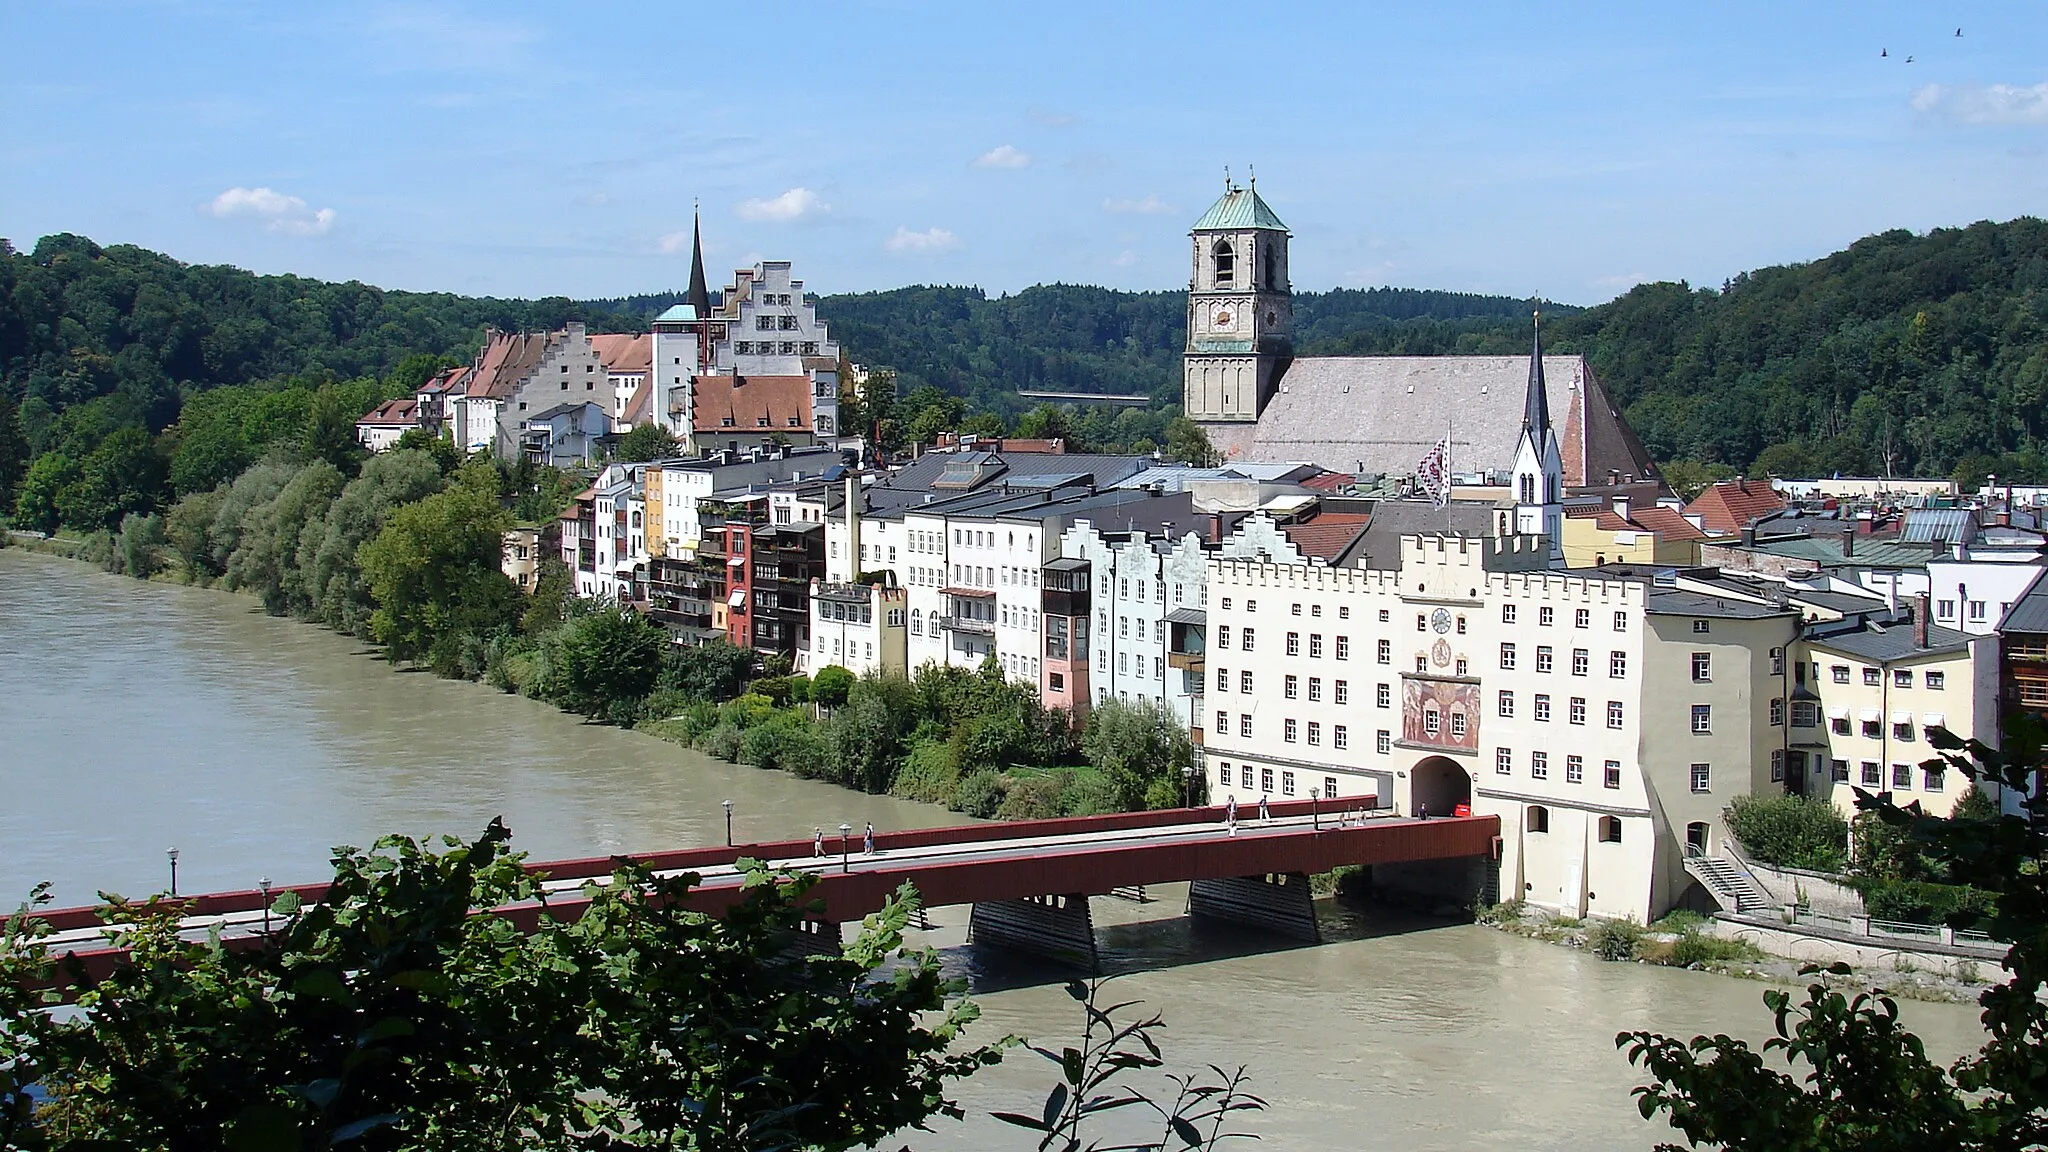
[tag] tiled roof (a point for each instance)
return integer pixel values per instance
(402, 412)
(624, 354)
(1331, 536)
(1731, 505)
(759, 404)
(640, 406)
(1667, 523)
(1380, 414)
(1240, 208)
(1328, 481)
(507, 359)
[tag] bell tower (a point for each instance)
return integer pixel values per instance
(1240, 309)
(1539, 470)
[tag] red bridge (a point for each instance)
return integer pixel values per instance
(1028, 880)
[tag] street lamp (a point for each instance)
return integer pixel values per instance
(728, 823)
(1187, 775)
(264, 884)
(845, 830)
(1315, 810)
(173, 854)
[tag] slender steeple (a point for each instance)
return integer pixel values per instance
(1536, 406)
(700, 294)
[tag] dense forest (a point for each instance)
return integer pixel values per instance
(1907, 354)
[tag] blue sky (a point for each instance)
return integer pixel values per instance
(529, 149)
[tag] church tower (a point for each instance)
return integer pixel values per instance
(1240, 309)
(1539, 468)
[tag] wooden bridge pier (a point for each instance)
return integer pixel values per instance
(1055, 927)
(1278, 902)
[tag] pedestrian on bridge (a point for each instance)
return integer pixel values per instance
(817, 841)
(868, 842)
(1230, 813)
(1264, 815)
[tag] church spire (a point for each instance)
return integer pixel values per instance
(1536, 405)
(700, 294)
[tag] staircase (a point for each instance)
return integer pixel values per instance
(1730, 885)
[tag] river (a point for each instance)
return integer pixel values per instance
(135, 717)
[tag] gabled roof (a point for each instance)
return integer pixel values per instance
(403, 412)
(640, 406)
(507, 359)
(1732, 505)
(1884, 641)
(756, 404)
(624, 354)
(2029, 613)
(1240, 208)
(1667, 523)
(1332, 537)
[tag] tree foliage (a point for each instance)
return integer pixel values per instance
(434, 573)
(1142, 750)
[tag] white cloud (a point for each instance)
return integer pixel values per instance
(1124, 259)
(1150, 206)
(287, 215)
(791, 205)
(1003, 156)
(929, 240)
(1984, 103)
(673, 243)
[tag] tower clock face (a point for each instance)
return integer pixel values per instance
(1224, 316)
(1440, 620)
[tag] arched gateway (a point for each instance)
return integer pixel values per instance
(1437, 785)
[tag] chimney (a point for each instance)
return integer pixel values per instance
(1848, 541)
(1920, 620)
(1621, 507)
(1749, 535)
(853, 522)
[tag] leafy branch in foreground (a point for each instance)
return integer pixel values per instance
(1094, 1082)
(1867, 1082)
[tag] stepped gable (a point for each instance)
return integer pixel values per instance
(1380, 414)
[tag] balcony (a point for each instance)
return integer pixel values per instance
(968, 624)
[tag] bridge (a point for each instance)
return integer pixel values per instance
(1121, 399)
(1028, 881)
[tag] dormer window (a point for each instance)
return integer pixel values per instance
(1226, 262)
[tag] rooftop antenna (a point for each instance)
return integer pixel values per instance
(1253, 169)
(1226, 178)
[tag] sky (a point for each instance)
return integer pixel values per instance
(524, 149)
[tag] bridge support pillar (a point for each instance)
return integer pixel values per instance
(1056, 927)
(1278, 902)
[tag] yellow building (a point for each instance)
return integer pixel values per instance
(1618, 534)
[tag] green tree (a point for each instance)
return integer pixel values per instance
(139, 546)
(1046, 421)
(1141, 750)
(832, 685)
(612, 654)
(14, 450)
(434, 573)
(188, 530)
(1185, 441)
(265, 560)
(439, 447)
(713, 671)
(35, 505)
(645, 442)
(326, 559)
(331, 431)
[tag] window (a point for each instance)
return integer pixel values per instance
(1343, 612)
(1294, 610)
(1933, 681)
(1931, 776)
(1251, 605)
(1701, 778)
(1873, 774)
(1581, 660)
(1329, 787)
(1507, 613)
(1289, 731)
(1340, 737)
(1461, 624)
(1777, 764)
(1315, 732)
(1421, 663)
(1614, 713)
(1223, 635)
(1247, 644)
(1702, 667)
(1840, 672)
(1384, 742)
(1287, 783)
(1545, 658)
(1265, 779)
(1222, 680)
(1946, 609)
(1223, 772)
(1343, 647)
(1315, 688)
(1902, 776)
(1421, 622)
(1463, 668)
(1537, 819)
(1701, 626)
(1872, 677)
(1539, 765)
(1578, 710)
(1902, 733)
(1977, 610)
(1545, 616)
(1385, 695)
(1224, 261)
(1503, 761)
(1507, 655)
(1610, 829)
(1617, 665)
(1839, 725)
(1432, 721)
(1386, 652)
(1341, 691)
(1244, 725)
(1226, 603)
(1458, 724)
(1506, 704)
(1575, 769)
(1621, 621)
(1294, 643)
(1610, 775)
(1838, 770)
(1777, 711)
(1777, 661)
(1702, 720)
(1543, 706)
(1805, 713)
(1292, 686)
(1902, 677)
(1223, 723)
(1872, 730)
(1315, 645)
(1244, 682)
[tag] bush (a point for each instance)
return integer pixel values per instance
(722, 741)
(1035, 797)
(789, 743)
(1679, 920)
(1694, 947)
(1089, 795)
(930, 773)
(1614, 939)
(1791, 831)
(1923, 902)
(980, 794)
(831, 686)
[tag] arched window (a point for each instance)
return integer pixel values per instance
(1226, 262)
(1528, 489)
(1537, 819)
(1272, 273)
(1610, 829)
(916, 622)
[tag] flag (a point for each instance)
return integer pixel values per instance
(1433, 473)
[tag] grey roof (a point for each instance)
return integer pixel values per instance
(1925, 525)
(914, 481)
(1678, 602)
(1380, 544)
(1843, 602)
(1882, 641)
(1174, 477)
(1536, 402)
(1379, 414)
(1240, 208)
(2029, 613)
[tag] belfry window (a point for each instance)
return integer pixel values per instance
(1272, 276)
(1226, 262)
(1528, 489)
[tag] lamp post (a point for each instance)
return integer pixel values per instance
(1315, 810)
(264, 885)
(728, 823)
(845, 830)
(1187, 776)
(172, 853)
